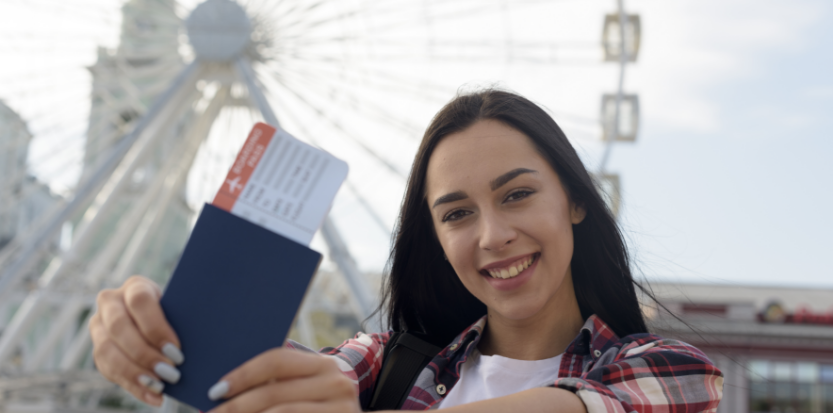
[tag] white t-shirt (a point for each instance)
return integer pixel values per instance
(486, 377)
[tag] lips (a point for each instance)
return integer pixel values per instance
(509, 268)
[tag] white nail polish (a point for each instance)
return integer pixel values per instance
(172, 352)
(218, 390)
(167, 372)
(152, 384)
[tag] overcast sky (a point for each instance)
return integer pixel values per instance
(730, 179)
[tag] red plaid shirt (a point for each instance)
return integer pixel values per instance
(637, 373)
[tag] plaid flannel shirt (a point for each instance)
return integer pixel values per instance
(638, 373)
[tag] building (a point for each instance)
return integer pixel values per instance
(126, 82)
(23, 199)
(773, 344)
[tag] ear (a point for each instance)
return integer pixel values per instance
(577, 213)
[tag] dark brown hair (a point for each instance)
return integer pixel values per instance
(422, 291)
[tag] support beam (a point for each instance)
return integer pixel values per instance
(176, 182)
(103, 261)
(78, 348)
(81, 343)
(339, 253)
(22, 255)
(94, 218)
(47, 344)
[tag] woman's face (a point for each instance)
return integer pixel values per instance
(503, 219)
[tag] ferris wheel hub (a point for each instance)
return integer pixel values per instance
(219, 30)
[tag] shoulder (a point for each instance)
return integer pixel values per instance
(639, 372)
(649, 358)
(599, 341)
(645, 354)
(647, 345)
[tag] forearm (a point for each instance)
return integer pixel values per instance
(541, 399)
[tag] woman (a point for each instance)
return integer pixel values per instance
(505, 253)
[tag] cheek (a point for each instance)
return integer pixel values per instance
(553, 230)
(459, 248)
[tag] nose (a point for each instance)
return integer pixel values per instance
(495, 231)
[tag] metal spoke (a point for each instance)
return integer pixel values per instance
(336, 124)
(377, 219)
(375, 111)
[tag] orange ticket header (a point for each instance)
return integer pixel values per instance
(244, 165)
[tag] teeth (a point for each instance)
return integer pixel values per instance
(511, 271)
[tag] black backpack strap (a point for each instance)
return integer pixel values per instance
(405, 356)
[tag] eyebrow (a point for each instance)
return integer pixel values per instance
(494, 184)
(454, 196)
(503, 179)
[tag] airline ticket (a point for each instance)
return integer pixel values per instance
(281, 184)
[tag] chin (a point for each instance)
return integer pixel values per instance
(517, 312)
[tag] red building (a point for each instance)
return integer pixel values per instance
(773, 344)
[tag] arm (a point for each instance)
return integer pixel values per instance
(542, 399)
(286, 380)
(294, 378)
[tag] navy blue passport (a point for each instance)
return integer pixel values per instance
(233, 295)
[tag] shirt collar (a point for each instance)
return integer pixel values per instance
(595, 335)
(473, 334)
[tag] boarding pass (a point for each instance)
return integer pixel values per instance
(281, 183)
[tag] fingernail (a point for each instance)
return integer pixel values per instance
(173, 352)
(152, 384)
(167, 372)
(218, 390)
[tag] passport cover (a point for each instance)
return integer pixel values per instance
(233, 295)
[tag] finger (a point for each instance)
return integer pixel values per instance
(153, 399)
(120, 328)
(317, 388)
(275, 364)
(141, 297)
(114, 365)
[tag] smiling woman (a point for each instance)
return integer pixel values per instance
(511, 219)
(474, 143)
(505, 255)
(506, 250)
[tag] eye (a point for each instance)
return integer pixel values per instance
(454, 215)
(518, 195)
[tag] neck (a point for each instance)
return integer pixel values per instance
(544, 335)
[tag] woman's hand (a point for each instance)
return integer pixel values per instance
(133, 344)
(285, 380)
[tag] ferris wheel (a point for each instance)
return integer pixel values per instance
(165, 105)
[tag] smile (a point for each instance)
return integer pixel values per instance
(512, 269)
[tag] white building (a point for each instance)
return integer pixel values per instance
(126, 82)
(22, 198)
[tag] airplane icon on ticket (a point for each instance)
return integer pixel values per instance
(234, 183)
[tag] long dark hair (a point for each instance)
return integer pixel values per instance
(422, 291)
